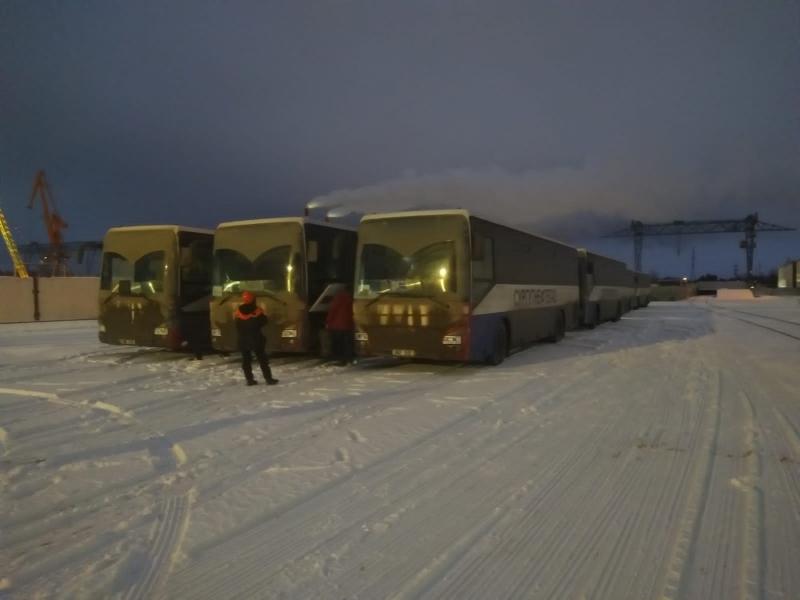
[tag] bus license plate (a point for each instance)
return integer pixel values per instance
(127, 342)
(403, 353)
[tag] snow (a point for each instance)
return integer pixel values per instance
(657, 457)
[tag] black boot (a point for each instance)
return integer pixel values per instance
(252, 382)
(267, 373)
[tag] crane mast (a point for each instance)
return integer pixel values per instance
(57, 257)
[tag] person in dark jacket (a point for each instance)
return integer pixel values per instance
(250, 319)
(339, 323)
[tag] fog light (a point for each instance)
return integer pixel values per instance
(361, 336)
(161, 331)
(289, 333)
(451, 340)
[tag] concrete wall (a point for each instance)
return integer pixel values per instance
(68, 298)
(672, 292)
(713, 286)
(60, 299)
(16, 300)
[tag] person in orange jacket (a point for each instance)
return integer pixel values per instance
(250, 320)
(339, 322)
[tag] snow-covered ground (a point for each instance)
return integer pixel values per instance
(658, 457)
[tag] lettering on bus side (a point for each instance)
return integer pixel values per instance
(535, 297)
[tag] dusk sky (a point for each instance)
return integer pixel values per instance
(563, 117)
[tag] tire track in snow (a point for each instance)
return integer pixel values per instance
(248, 546)
(252, 556)
(171, 527)
(175, 514)
(776, 435)
(752, 557)
(289, 442)
(795, 335)
(56, 399)
(576, 537)
(681, 551)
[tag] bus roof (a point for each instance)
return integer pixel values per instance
(622, 262)
(298, 220)
(458, 211)
(175, 228)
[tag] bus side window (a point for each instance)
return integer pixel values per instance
(312, 251)
(483, 258)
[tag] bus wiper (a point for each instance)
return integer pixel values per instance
(111, 295)
(380, 295)
(225, 297)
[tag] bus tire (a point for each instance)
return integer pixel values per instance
(499, 346)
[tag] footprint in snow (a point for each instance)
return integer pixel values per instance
(356, 437)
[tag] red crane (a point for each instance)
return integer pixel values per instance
(56, 260)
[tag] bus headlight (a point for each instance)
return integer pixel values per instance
(161, 330)
(361, 336)
(102, 328)
(215, 332)
(451, 340)
(289, 332)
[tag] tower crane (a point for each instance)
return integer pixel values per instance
(57, 257)
(749, 226)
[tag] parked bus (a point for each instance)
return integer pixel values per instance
(294, 266)
(607, 288)
(155, 285)
(642, 283)
(447, 285)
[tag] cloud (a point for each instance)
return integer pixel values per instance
(582, 201)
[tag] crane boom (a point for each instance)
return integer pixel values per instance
(53, 223)
(5, 231)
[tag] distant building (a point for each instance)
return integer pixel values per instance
(789, 275)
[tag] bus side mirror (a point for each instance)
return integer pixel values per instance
(312, 251)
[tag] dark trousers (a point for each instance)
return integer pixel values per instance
(263, 361)
(341, 345)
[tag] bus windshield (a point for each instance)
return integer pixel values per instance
(260, 257)
(413, 256)
(142, 276)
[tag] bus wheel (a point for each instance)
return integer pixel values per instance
(560, 329)
(499, 346)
